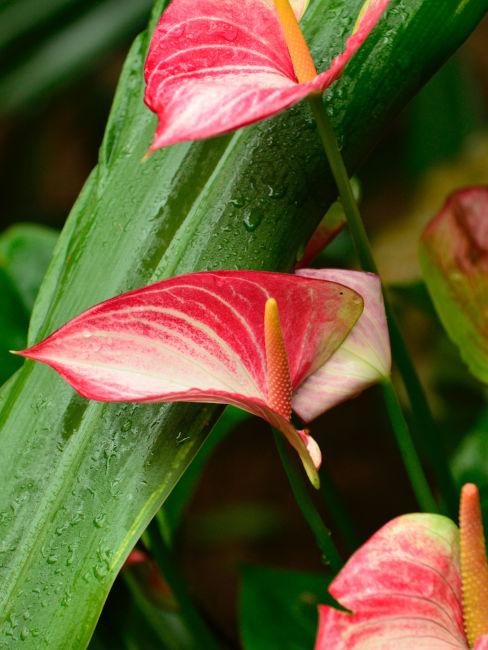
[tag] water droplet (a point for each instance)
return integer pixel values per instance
(236, 203)
(99, 520)
(66, 599)
(52, 559)
(252, 219)
(100, 571)
(276, 192)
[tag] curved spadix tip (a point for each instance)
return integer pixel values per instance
(469, 491)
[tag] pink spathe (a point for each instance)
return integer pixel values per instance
(402, 589)
(217, 65)
(201, 338)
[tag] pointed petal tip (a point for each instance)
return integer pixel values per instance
(312, 447)
(314, 479)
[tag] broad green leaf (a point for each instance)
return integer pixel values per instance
(278, 609)
(454, 259)
(80, 481)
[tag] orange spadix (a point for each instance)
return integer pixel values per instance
(474, 566)
(297, 46)
(278, 370)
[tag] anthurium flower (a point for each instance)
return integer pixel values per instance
(217, 65)
(246, 338)
(419, 583)
(362, 360)
(454, 259)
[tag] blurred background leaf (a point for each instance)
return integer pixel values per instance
(25, 251)
(278, 608)
(50, 43)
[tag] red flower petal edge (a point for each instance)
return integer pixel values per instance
(200, 337)
(403, 590)
(217, 65)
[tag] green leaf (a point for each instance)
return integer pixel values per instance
(171, 514)
(278, 609)
(81, 481)
(142, 615)
(66, 53)
(454, 260)
(13, 326)
(25, 251)
(469, 460)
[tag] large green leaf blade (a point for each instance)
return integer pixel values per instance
(81, 480)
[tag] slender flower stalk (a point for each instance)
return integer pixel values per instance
(408, 452)
(311, 515)
(366, 259)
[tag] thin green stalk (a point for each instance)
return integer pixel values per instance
(196, 624)
(420, 407)
(342, 521)
(409, 454)
(319, 529)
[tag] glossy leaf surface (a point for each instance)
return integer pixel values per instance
(454, 258)
(73, 470)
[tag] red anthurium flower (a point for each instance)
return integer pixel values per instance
(217, 65)
(419, 583)
(246, 338)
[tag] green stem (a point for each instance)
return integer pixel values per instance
(319, 529)
(195, 623)
(408, 452)
(338, 513)
(420, 407)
